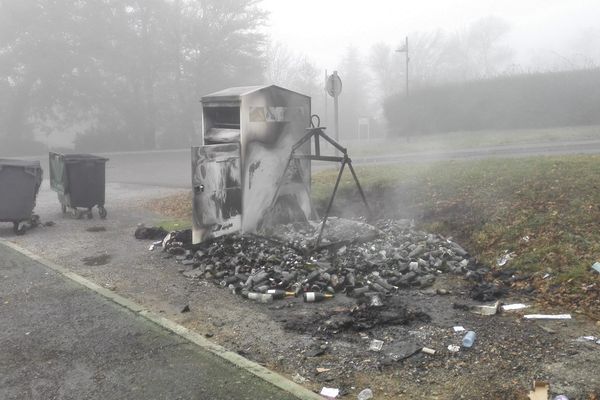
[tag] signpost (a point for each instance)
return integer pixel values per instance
(334, 88)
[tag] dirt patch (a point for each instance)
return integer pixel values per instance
(94, 229)
(101, 259)
(177, 205)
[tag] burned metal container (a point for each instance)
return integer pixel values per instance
(247, 136)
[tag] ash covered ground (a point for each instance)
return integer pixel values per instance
(389, 290)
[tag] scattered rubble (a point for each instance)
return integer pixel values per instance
(513, 307)
(362, 269)
(486, 310)
(376, 345)
(365, 394)
(453, 348)
(330, 393)
(357, 318)
(368, 263)
(150, 233)
(547, 316)
(356, 259)
(487, 291)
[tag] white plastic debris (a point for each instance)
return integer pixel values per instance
(427, 350)
(506, 257)
(486, 310)
(547, 316)
(514, 307)
(459, 329)
(453, 348)
(155, 245)
(376, 345)
(331, 393)
(588, 339)
(596, 267)
(365, 394)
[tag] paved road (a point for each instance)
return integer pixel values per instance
(59, 340)
(172, 168)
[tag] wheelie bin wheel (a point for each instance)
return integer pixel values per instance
(19, 228)
(78, 214)
(35, 220)
(102, 212)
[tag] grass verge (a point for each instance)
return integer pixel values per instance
(545, 210)
(470, 139)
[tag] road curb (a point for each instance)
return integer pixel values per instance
(243, 363)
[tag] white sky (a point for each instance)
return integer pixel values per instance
(323, 29)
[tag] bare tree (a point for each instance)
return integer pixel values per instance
(427, 57)
(354, 100)
(478, 51)
(291, 70)
(385, 67)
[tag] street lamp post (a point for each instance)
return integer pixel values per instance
(404, 49)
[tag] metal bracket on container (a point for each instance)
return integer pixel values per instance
(317, 133)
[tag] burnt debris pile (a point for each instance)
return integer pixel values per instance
(355, 258)
(364, 315)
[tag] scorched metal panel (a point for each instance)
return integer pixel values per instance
(216, 180)
(272, 120)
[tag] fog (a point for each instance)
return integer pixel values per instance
(127, 75)
(552, 28)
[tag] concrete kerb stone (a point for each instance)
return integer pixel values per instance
(234, 358)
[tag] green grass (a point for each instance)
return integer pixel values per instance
(469, 140)
(492, 205)
(175, 224)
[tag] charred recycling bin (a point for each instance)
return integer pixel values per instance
(247, 136)
(20, 182)
(79, 181)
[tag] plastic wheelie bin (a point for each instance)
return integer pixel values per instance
(79, 181)
(20, 182)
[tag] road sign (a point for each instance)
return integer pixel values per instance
(334, 85)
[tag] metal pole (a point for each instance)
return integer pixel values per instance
(407, 59)
(362, 194)
(336, 118)
(326, 100)
(335, 188)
